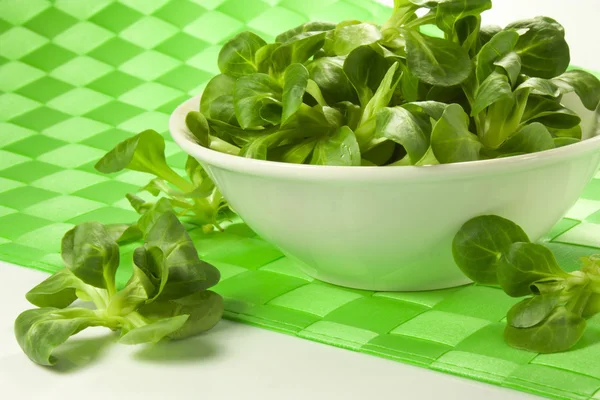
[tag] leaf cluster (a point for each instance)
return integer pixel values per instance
(165, 297)
(356, 93)
(196, 196)
(495, 251)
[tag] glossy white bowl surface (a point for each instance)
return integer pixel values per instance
(391, 228)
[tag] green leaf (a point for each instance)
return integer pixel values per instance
(553, 284)
(294, 153)
(150, 275)
(503, 117)
(533, 310)
(511, 63)
(487, 32)
(404, 11)
(584, 84)
(91, 254)
(307, 122)
(223, 109)
(205, 187)
(499, 46)
(328, 73)
(559, 331)
(383, 95)
(58, 290)
(447, 94)
(334, 117)
(152, 213)
(565, 141)
(316, 26)
(365, 69)
(220, 85)
(539, 86)
(569, 133)
(480, 243)
(257, 100)
(315, 92)
(236, 57)
(294, 87)
(340, 149)
(523, 264)
(381, 153)
(365, 133)
(297, 49)
(550, 113)
(433, 109)
(405, 128)
(225, 133)
(593, 306)
(494, 88)
(186, 272)
(138, 204)
(451, 140)
(428, 159)
(263, 57)
(352, 113)
(155, 331)
(198, 125)
(204, 309)
(41, 330)
(409, 84)
(348, 36)
(436, 61)
(259, 147)
(144, 152)
(467, 32)
(195, 172)
(501, 120)
(450, 12)
(144, 284)
(123, 233)
(530, 139)
(422, 3)
(542, 47)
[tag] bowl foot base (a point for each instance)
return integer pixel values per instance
(397, 286)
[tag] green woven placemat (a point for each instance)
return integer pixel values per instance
(77, 77)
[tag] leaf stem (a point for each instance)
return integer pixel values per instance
(424, 20)
(98, 296)
(135, 319)
(223, 146)
(579, 302)
(174, 178)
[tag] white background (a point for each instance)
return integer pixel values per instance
(236, 361)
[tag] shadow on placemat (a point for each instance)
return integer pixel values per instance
(78, 353)
(200, 348)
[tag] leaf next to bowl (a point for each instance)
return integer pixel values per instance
(495, 251)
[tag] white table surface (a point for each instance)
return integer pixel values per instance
(236, 361)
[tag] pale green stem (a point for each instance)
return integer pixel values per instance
(427, 19)
(98, 296)
(136, 320)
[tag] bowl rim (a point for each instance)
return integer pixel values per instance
(248, 166)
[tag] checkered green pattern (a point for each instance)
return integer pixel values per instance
(77, 77)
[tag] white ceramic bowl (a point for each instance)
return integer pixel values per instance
(391, 228)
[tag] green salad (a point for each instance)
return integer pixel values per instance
(431, 85)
